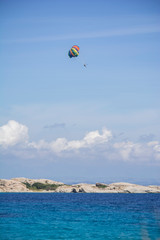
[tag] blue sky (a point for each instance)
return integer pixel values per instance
(62, 121)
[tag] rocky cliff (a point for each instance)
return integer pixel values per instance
(45, 185)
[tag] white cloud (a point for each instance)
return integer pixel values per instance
(13, 133)
(125, 149)
(156, 147)
(129, 151)
(95, 137)
(91, 139)
(14, 139)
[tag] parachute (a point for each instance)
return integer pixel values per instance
(74, 51)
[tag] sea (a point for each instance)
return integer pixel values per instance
(76, 216)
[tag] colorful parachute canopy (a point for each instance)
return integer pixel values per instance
(74, 51)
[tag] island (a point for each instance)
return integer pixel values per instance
(49, 186)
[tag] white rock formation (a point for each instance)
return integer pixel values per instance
(19, 185)
(32, 181)
(12, 186)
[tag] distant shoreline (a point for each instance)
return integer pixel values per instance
(27, 185)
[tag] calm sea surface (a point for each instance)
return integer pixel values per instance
(27, 216)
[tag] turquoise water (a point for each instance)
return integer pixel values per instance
(27, 216)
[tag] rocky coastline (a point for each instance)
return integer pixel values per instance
(46, 185)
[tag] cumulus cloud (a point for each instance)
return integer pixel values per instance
(156, 147)
(14, 138)
(129, 151)
(13, 133)
(125, 149)
(91, 139)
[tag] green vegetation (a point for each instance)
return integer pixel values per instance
(37, 186)
(101, 186)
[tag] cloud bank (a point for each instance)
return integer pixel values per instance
(14, 139)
